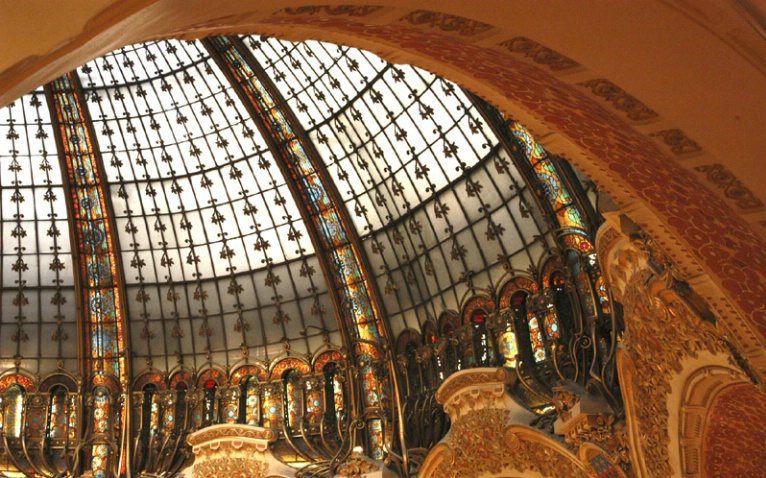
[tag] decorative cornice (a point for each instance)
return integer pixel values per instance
(217, 432)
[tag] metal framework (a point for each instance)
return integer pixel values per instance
(356, 300)
(418, 202)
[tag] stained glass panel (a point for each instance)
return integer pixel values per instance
(344, 263)
(72, 417)
(375, 437)
(58, 420)
(294, 398)
(369, 384)
(272, 409)
(416, 168)
(168, 413)
(213, 242)
(337, 390)
(252, 403)
(551, 325)
(536, 337)
(100, 460)
(314, 403)
(603, 296)
(507, 348)
(154, 417)
(101, 422)
(551, 186)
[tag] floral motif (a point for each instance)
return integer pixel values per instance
(732, 187)
(621, 101)
(349, 10)
(679, 143)
(481, 444)
(446, 22)
(355, 467)
(539, 53)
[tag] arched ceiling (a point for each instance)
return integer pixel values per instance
(659, 102)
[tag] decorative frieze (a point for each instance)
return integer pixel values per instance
(540, 54)
(620, 100)
(446, 22)
(732, 187)
(679, 143)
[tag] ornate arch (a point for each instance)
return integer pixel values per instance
(248, 370)
(700, 392)
(288, 363)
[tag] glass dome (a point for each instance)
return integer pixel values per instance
(323, 218)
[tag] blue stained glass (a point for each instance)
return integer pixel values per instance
(551, 326)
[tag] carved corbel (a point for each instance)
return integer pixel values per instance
(489, 435)
(235, 450)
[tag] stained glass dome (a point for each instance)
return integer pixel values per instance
(192, 222)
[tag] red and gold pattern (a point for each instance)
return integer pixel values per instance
(288, 364)
(23, 380)
(735, 433)
(211, 374)
(248, 371)
(148, 378)
(180, 377)
(326, 357)
(551, 265)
